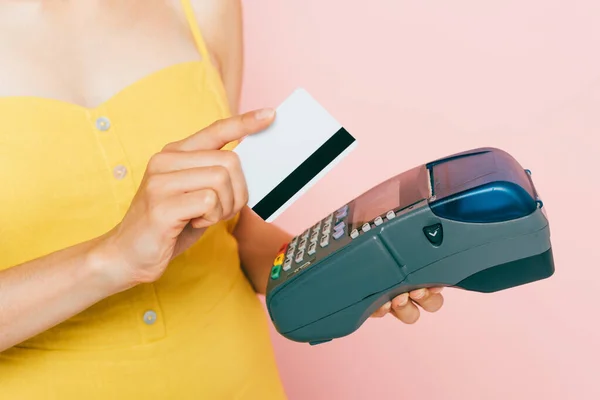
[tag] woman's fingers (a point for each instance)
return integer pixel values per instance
(382, 311)
(404, 306)
(404, 309)
(190, 180)
(429, 299)
(224, 131)
(169, 161)
(181, 161)
(202, 208)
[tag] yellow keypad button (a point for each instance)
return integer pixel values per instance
(279, 259)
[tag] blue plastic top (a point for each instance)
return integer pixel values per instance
(483, 185)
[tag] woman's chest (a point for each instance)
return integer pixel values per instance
(69, 174)
(83, 107)
(85, 56)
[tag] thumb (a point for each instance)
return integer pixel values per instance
(227, 130)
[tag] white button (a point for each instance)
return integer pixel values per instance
(287, 264)
(314, 237)
(290, 251)
(366, 227)
(119, 172)
(390, 214)
(354, 234)
(378, 221)
(103, 124)
(302, 245)
(149, 317)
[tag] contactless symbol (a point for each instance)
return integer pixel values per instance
(434, 233)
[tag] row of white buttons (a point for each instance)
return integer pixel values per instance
(119, 172)
(103, 124)
(377, 221)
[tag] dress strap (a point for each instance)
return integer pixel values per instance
(194, 27)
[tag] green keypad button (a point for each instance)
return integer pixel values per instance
(275, 271)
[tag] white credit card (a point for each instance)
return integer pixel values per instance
(303, 143)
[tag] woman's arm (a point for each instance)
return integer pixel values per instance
(37, 295)
(258, 243)
(187, 187)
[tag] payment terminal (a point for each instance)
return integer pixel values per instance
(472, 220)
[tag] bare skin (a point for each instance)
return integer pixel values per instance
(84, 52)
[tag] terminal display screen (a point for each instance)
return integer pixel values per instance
(396, 193)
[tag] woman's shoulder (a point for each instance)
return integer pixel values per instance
(220, 24)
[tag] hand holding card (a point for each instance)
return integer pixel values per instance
(282, 162)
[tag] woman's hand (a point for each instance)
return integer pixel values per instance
(406, 306)
(187, 187)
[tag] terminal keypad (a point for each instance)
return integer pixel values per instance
(303, 248)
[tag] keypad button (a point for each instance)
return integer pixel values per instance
(324, 241)
(434, 233)
(339, 226)
(300, 256)
(329, 219)
(275, 272)
(378, 221)
(305, 234)
(294, 241)
(279, 259)
(302, 245)
(354, 233)
(366, 227)
(291, 251)
(287, 264)
(338, 234)
(315, 236)
(390, 214)
(342, 209)
(312, 249)
(326, 229)
(150, 317)
(103, 124)
(341, 213)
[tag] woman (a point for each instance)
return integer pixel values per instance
(129, 261)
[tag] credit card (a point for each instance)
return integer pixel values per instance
(301, 146)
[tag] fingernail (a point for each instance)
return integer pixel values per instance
(265, 113)
(419, 294)
(403, 299)
(436, 290)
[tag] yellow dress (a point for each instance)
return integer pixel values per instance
(67, 175)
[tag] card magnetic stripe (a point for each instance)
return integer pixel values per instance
(305, 172)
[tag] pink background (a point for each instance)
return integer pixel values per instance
(419, 80)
